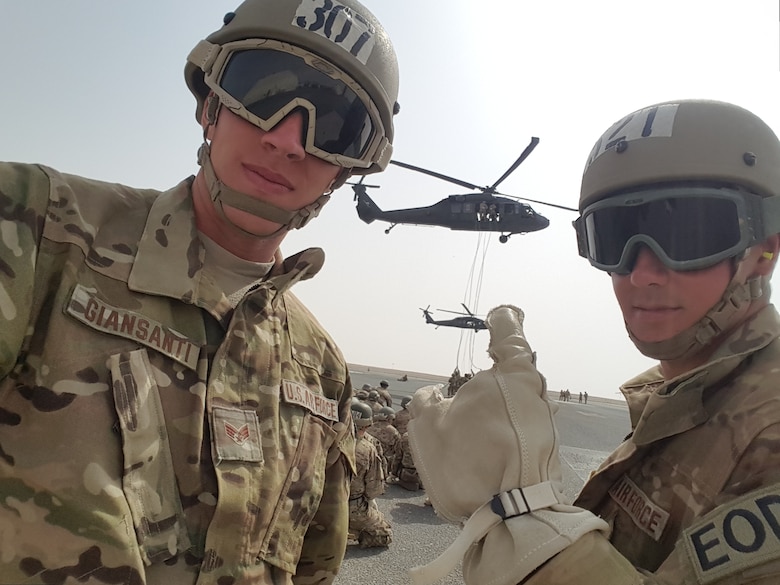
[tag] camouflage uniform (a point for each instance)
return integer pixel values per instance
(693, 496)
(366, 521)
(401, 420)
(388, 435)
(385, 399)
(404, 468)
(149, 431)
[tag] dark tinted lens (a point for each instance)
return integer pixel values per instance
(265, 81)
(686, 228)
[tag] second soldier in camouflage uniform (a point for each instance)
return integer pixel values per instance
(680, 204)
(169, 411)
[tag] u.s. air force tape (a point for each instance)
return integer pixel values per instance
(741, 534)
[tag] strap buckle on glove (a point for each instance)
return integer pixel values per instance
(503, 506)
(519, 501)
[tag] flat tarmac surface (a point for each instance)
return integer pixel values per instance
(588, 433)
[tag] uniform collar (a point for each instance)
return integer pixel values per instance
(170, 256)
(661, 408)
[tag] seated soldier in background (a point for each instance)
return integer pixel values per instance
(401, 419)
(367, 524)
(404, 468)
(384, 394)
(384, 431)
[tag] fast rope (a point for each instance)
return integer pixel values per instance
(471, 300)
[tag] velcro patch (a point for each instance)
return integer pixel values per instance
(294, 393)
(236, 434)
(645, 513)
(85, 306)
(741, 534)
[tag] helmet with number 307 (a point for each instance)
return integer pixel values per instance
(341, 40)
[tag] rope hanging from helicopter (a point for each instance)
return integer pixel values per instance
(502, 213)
(465, 355)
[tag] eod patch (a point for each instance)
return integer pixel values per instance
(741, 534)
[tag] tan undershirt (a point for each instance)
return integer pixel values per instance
(230, 273)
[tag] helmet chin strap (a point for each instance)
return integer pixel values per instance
(222, 195)
(725, 314)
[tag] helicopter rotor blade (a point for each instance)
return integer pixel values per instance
(469, 314)
(465, 184)
(524, 155)
(467, 309)
(539, 202)
(362, 185)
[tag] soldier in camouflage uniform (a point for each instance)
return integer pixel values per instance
(169, 411)
(384, 431)
(384, 394)
(401, 419)
(680, 203)
(366, 522)
(403, 466)
(373, 401)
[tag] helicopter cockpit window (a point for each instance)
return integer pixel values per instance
(456, 208)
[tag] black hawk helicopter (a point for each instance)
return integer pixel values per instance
(485, 211)
(468, 321)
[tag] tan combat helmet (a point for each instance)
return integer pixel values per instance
(694, 148)
(362, 415)
(344, 33)
(683, 141)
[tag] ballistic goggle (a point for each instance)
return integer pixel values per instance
(686, 228)
(264, 80)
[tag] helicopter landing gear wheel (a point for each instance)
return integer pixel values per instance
(387, 231)
(503, 238)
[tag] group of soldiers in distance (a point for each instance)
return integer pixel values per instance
(457, 380)
(565, 396)
(382, 456)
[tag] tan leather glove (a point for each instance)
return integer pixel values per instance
(488, 458)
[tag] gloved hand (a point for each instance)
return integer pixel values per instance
(488, 458)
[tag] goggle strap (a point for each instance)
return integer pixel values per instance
(385, 150)
(203, 55)
(770, 212)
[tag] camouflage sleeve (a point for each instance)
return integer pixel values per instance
(326, 538)
(759, 465)
(756, 477)
(592, 560)
(24, 196)
(375, 477)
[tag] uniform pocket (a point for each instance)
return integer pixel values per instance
(148, 481)
(301, 495)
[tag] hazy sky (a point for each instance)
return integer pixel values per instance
(96, 88)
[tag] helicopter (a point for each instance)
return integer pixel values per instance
(485, 211)
(468, 321)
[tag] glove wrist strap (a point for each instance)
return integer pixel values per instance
(502, 506)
